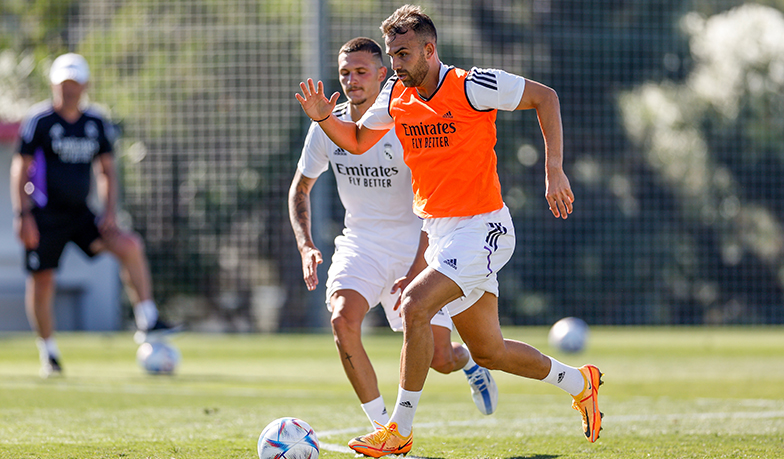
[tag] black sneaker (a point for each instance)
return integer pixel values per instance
(51, 367)
(156, 332)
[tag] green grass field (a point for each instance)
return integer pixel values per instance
(668, 393)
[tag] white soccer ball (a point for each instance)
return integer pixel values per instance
(158, 357)
(288, 438)
(568, 335)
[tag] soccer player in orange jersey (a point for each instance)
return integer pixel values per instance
(380, 249)
(445, 120)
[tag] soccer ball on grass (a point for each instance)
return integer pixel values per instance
(158, 357)
(568, 335)
(288, 438)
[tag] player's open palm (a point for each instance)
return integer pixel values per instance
(314, 102)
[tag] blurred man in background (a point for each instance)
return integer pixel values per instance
(381, 248)
(60, 142)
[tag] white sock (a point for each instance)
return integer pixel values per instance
(376, 411)
(470, 364)
(405, 408)
(146, 314)
(47, 347)
(565, 377)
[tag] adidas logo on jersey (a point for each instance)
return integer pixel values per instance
(448, 115)
(451, 262)
(339, 152)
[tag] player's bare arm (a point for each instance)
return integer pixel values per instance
(558, 191)
(106, 179)
(299, 214)
(24, 223)
(352, 137)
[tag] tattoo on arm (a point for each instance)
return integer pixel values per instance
(300, 212)
(348, 357)
(302, 206)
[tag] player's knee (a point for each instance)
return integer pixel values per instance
(413, 313)
(128, 246)
(342, 326)
(339, 324)
(43, 278)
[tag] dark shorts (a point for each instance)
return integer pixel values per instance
(56, 229)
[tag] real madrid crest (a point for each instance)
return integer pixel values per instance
(56, 131)
(388, 154)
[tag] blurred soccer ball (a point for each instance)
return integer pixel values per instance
(288, 438)
(568, 335)
(158, 357)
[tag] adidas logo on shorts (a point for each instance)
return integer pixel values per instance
(451, 262)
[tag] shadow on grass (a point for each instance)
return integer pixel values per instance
(533, 456)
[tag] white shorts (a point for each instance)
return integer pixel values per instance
(470, 251)
(372, 276)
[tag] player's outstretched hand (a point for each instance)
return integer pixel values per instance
(314, 102)
(559, 194)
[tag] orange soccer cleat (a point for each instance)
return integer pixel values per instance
(384, 441)
(587, 402)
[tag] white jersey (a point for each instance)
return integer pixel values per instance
(486, 89)
(374, 187)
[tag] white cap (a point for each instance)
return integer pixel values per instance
(69, 66)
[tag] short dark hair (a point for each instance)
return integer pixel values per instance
(367, 45)
(409, 17)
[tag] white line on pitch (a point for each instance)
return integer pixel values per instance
(617, 419)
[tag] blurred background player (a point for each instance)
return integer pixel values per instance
(445, 119)
(50, 181)
(381, 248)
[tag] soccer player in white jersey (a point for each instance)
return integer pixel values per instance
(445, 120)
(60, 142)
(381, 248)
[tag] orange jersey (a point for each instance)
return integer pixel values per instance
(449, 147)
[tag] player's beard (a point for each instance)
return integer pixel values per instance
(417, 74)
(357, 103)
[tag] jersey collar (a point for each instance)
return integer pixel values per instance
(442, 71)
